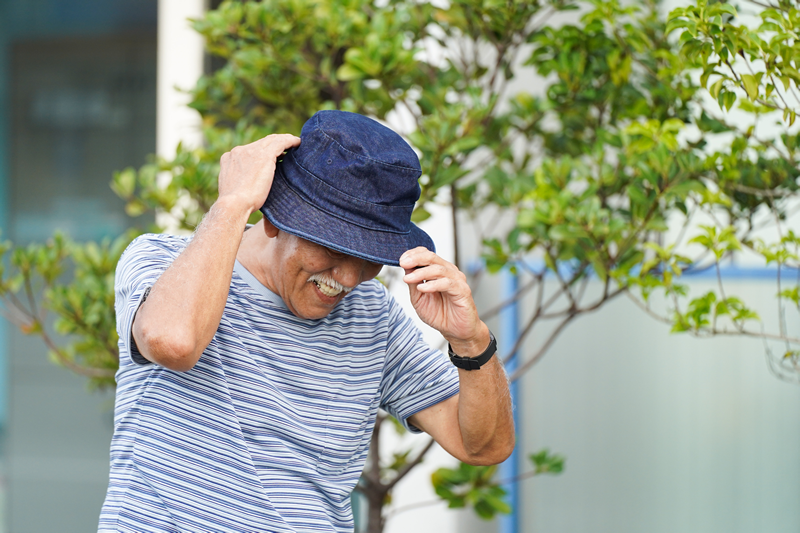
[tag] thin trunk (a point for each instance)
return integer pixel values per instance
(375, 512)
(454, 204)
(375, 490)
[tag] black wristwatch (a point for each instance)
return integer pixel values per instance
(473, 363)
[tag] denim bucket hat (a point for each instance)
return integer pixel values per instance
(351, 186)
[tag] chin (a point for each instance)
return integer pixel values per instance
(311, 314)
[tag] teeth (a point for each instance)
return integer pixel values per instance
(326, 289)
(328, 286)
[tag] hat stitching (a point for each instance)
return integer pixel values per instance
(412, 169)
(347, 221)
(343, 193)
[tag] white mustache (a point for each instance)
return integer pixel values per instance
(330, 282)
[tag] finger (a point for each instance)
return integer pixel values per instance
(286, 141)
(420, 257)
(446, 286)
(440, 279)
(277, 143)
(421, 274)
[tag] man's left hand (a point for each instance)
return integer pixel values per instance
(443, 300)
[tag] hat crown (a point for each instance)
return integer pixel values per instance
(359, 157)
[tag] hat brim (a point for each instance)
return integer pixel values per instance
(290, 212)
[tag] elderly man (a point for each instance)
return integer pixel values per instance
(253, 362)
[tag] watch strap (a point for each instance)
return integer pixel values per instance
(473, 363)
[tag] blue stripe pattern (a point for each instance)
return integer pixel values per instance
(270, 430)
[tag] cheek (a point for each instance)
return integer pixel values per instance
(315, 263)
(372, 271)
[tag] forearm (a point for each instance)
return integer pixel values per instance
(183, 310)
(485, 417)
(476, 425)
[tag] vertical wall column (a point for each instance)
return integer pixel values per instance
(180, 64)
(5, 173)
(509, 470)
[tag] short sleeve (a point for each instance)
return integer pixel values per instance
(140, 266)
(415, 376)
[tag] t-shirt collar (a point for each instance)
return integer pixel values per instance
(256, 285)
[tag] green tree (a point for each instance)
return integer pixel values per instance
(619, 141)
(748, 58)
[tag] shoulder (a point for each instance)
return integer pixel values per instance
(148, 254)
(151, 244)
(369, 299)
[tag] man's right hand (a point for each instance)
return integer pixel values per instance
(246, 172)
(182, 313)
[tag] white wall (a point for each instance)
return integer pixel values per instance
(662, 432)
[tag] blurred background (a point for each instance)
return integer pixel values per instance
(77, 101)
(661, 433)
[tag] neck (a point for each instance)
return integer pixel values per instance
(254, 254)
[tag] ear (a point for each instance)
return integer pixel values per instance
(270, 229)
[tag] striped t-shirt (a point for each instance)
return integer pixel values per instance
(269, 431)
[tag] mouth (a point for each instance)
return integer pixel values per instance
(328, 286)
(325, 289)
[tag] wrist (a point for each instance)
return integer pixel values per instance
(477, 361)
(473, 346)
(234, 207)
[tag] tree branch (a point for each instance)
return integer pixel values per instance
(516, 297)
(409, 466)
(99, 373)
(555, 333)
(650, 312)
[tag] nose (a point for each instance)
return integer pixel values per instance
(350, 271)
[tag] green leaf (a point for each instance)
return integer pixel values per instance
(728, 99)
(750, 86)
(124, 183)
(547, 463)
(715, 88)
(676, 23)
(135, 208)
(420, 214)
(725, 8)
(348, 72)
(473, 486)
